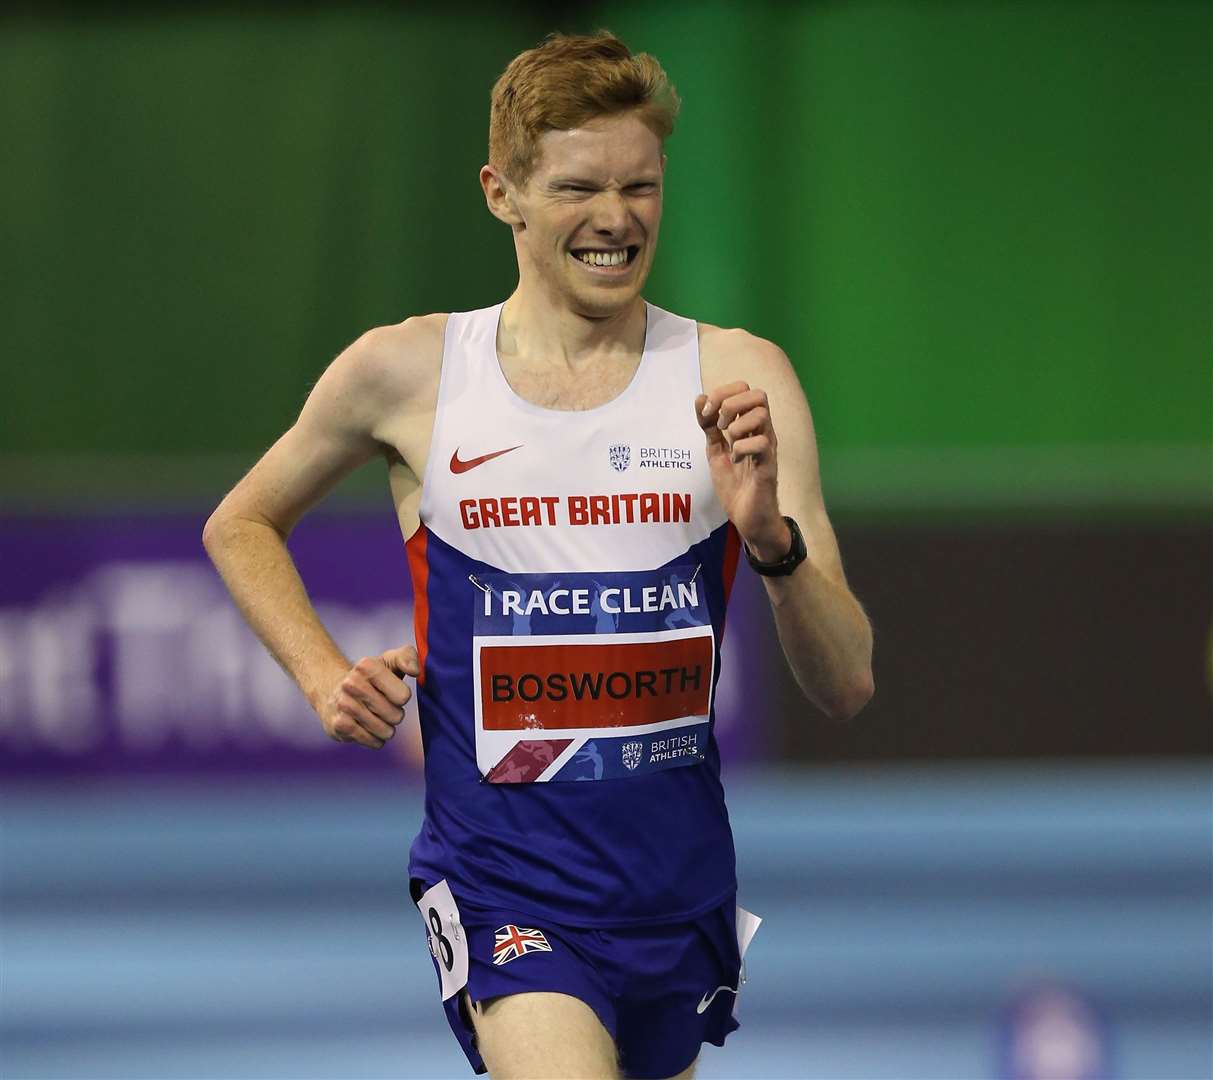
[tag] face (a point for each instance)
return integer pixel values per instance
(586, 221)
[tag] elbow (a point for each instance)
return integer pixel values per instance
(213, 533)
(850, 698)
(209, 531)
(226, 527)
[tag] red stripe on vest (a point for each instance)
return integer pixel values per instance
(419, 569)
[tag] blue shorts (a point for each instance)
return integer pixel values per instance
(661, 991)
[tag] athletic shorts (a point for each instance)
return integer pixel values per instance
(661, 991)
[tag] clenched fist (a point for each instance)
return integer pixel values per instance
(741, 449)
(368, 703)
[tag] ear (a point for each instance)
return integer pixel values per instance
(499, 195)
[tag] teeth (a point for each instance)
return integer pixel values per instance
(604, 258)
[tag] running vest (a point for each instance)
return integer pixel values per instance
(570, 576)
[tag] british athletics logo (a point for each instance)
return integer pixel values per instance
(514, 941)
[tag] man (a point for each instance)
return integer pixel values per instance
(574, 507)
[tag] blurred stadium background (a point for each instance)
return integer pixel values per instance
(982, 232)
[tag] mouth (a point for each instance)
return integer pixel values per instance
(606, 262)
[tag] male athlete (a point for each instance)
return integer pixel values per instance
(574, 506)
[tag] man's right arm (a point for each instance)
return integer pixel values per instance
(339, 429)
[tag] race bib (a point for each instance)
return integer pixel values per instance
(747, 926)
(448, 942)
(591, 676)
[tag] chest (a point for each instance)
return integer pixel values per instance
(564, 389)
(535, 489)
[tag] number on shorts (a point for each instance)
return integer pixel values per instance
(445, 953)
(446, 938)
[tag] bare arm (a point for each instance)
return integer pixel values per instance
(338, 430)
(825, 634)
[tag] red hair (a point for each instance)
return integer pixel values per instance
(565, 81)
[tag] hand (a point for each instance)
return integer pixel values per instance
(368, 703)
(741, 447)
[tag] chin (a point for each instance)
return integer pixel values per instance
(602, 306)
(601, 302)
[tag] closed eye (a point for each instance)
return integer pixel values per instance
(631, 187)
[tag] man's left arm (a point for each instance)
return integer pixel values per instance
(760, 477)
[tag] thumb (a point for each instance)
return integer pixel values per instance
(706, 413)
(403, 661)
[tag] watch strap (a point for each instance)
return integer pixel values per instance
(797, 554)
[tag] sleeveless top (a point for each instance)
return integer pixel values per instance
(570, 576)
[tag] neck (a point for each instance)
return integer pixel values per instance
(541, 328)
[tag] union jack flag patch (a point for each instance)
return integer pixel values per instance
(514, 941)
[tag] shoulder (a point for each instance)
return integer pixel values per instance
(398, 356)
(387, 369)
(734, 354)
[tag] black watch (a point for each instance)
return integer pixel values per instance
(795, 556)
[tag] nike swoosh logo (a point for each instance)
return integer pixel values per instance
(708, 998)
(458, 466)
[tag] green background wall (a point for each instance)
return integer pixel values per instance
(981, 231)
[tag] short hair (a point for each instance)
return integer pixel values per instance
(565, 81)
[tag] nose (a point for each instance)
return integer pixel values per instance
(610, 214)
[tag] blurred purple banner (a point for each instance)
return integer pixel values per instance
(120, 650)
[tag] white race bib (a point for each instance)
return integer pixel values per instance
(747, 926)
(448, 942)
